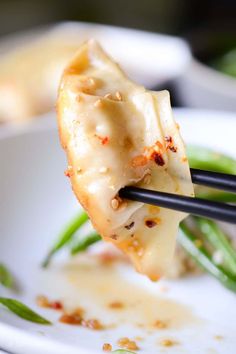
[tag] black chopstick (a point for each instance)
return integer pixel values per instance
(214, 179)
(195, 206)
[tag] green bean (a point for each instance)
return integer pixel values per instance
(226, 63)
(83, 243)
(66, 236)
(216, 237)
(23, 311)
(207, 159)
(217, 196)
(6, 278)
(199, 253)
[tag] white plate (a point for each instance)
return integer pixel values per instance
(199, 85)
(35, 202)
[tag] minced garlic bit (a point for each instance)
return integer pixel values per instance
(168, 342)
(92, 324)
(71, 319)
(76, 318)
(139, 161)
(79, 311)
(116, 305)
(160, 324)
(43, 301)
(127, 344)
(107, 347)
(79, 169)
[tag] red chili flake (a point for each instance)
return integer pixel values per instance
(69, 171)
(56, 305)
(105, 140)
(169, 139)
(150, 223)
(173, 148)
(170, 145)
(128, 227)
(158, 159)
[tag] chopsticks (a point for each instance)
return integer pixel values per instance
(195, 206)
(214, 179)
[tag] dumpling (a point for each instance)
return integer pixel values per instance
(116, 133)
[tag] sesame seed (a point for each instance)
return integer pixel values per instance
(91, 81)
(108, 96)
(147, 179)
(115, 204)
(118, 96)
(98, 103)
(103, 169)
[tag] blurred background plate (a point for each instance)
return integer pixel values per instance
(146, 56)
(31, 63)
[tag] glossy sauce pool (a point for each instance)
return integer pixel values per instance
(107, 292)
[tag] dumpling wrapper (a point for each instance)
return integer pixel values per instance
(116, 133)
